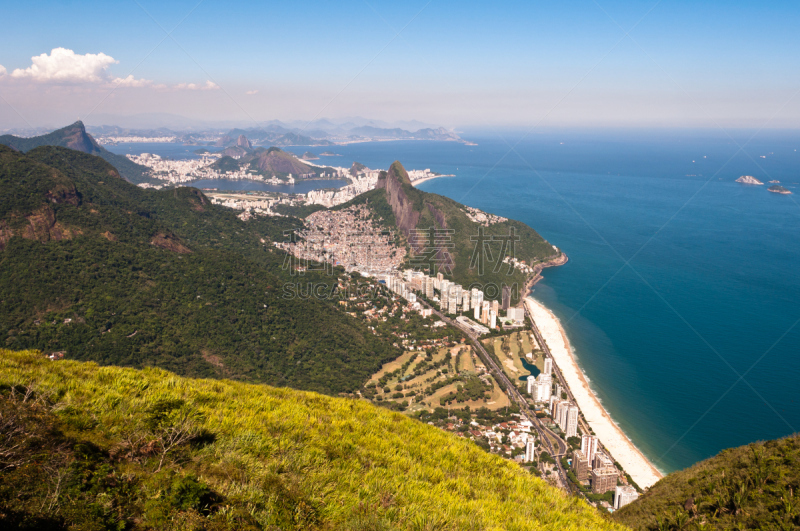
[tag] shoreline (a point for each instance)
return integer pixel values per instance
(611, 436)
(420, 181)
(536, 276)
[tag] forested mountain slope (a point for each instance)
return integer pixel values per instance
(751, 487)
(105, 271)
(75, 137)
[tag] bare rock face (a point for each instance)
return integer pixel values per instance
(243, 142)
(43, 227)
(402, 207)
(443, 257)
(5, 235)
(170, 243)
(77, 138)
(63, 193)
(748, 179)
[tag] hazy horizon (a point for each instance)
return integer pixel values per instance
(458, 65)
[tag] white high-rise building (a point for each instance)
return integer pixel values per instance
(485, 309)
(452, 304)
(477, 312)
(571, 429)
(543, 387)
(429, 287)
(465, 298)
(444, 290)
(548, 365)
(623, 495)
(531, 385)
(477, 297)
(492, 319)
(530, 450)
(589, 447)
(562, 407)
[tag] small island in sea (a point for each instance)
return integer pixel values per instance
(774, 182)
(329, 154)
(309, 156)
(748, 179)
(778, 190)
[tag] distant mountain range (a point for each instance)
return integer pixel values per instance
(275, 133)
(281, 136)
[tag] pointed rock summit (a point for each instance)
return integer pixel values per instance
(243, 142)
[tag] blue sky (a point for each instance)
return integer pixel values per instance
(683, 64)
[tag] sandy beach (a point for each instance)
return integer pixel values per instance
(420, 181)
(611, 436)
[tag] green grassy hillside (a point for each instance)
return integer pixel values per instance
(750, 487)
(88, 447)
(97, 267)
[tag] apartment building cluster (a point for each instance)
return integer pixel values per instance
(111, 140)
(454, 299)
(590, 463)
(565, 413)
(363, 182)
(180, 171)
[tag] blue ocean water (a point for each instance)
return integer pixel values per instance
(300, 187)
(168, 150)
(681, 297)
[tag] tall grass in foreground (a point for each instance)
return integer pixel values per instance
(262, 457)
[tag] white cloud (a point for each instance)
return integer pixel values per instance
(66, 66)
(251, 92)
(208, 85)
(130, 81)
(63, 65)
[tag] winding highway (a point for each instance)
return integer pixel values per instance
(546, 436)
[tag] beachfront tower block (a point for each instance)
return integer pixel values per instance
(589, 447)
(580, 465)
(548, 366)
(543, 387)
(571, 429)
(604, 479)
(623, 495)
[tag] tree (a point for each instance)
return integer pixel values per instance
(172, 424)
